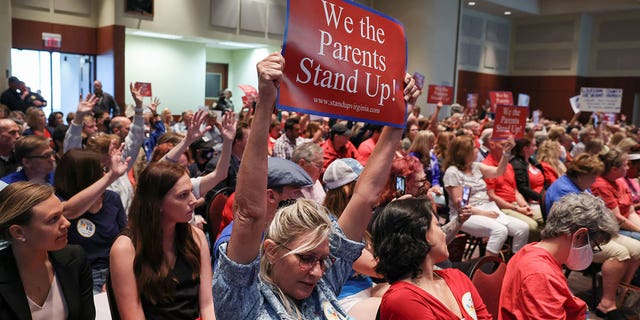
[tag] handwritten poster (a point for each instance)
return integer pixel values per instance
(600, 99)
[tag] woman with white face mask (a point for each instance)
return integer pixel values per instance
(534, 286)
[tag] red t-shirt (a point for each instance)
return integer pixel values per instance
(613, 194)
(536, 179)
(405, 300)
(550, 174)
(534, 287)
(505, 185)
(331, 154)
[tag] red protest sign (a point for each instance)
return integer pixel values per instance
(510, 120)
(144, 87)
(248, 90)
(442, 94)
(343, 60)
(501, 97)
(472, 101)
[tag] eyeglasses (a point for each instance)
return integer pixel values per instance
(308, 261)
(596, 248)
(47, 155)
(317, 164)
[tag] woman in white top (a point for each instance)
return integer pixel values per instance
(486, 218)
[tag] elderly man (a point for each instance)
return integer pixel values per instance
(9, 133)
(309, 157)
(106, 102)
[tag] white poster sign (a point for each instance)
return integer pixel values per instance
(600, 99)
(523, 100)
(573, 101)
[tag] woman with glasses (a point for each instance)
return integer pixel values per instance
(535, 286)
(299, 267)
(408, 242)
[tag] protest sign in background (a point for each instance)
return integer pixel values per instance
(343, 60)
(442, 94)
(575, 103)
(501, 98)
(510, 120)
(600, 99)
(523, 99)
(145, 88)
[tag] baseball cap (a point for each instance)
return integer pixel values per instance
(341, 172)
(282, 172)
(341, 129)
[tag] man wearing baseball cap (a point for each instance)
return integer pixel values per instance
(285, 179)
(338, 145)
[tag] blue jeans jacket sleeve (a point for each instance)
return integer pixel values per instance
(235, 288)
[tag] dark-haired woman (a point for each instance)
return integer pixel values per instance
(408, 242)
(41, 277)
(160, 265)
(97, 228)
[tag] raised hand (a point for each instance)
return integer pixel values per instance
(154, 105)
(86, 106)
(228, 123)
(196, 129)
(269, 75)
(118, 165)
(411, 91)
(509, 144)
(135, 93)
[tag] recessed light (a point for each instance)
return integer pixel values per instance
(507, 13)
(471, 3)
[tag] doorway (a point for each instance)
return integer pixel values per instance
(61, 78)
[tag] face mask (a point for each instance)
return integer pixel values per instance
(580, 258)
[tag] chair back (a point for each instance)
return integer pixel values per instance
(214, 212)
(487, 275)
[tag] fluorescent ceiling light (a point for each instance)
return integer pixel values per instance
(507, 13)
(471, 3)
(240, 44)
(149, 34)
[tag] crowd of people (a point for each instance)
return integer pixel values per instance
(322, 218)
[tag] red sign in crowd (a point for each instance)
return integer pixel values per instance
(442, 94)
(344, 60)
(145, 88)
(510, 120)
(501, 98)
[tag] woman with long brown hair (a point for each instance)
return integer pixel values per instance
(160, 265)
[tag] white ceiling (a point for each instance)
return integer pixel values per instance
(528, 8)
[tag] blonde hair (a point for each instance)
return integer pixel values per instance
(100, 142)
(16, 201)
(422, 144)
(306, 219)
(549, 152)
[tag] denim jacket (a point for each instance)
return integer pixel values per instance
(239, 293)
